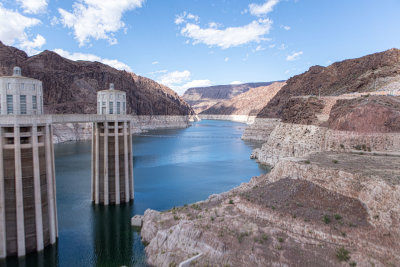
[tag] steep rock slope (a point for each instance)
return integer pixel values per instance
(71, 86)
(201, 98)
(370, 73)
(379, 114)
(247, 103)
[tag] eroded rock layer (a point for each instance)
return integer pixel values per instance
(202, 98)
(303, 213)
(371, 73)
(248, 103)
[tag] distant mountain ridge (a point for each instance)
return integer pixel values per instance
(248, 103)
(202, 98)
(71, 86)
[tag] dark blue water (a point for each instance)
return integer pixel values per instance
(171, 168)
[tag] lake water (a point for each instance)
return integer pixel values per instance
(171, 168)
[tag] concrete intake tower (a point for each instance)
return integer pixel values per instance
(28, 212)
(28, 208)
(112, 167)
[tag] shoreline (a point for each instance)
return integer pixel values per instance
(83, 131)
(236, 118)
(244, 226)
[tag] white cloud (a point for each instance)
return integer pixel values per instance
(193, 17)
(272, 45)
(158, 71)
(33, 6)
(195, 83)
(282, 47)
(226, 59)
(173, 78)
(264, 9)
(179, 19)
(97, 19)
(13, 30)
(294, 56)
(259, 48)
(155, 62)
(285, 27)
(180, 81)
(229, 37)
(30, 46)
(90, 57)
(213, 25)
(236, 82)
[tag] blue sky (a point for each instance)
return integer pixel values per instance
(185, 43)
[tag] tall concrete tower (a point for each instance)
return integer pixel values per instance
(112, 168)
(28, 212)
(20, 95)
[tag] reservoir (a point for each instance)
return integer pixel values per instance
(171, 168)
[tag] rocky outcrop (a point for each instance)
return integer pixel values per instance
(378, 114)
(201, 98)
(302, 110)
(288, 140)
(71, 132)
(238, 118)
(248, 103)
(303, 213)
(380, 71)
(260, 129)
(71, 86)
(83, 131)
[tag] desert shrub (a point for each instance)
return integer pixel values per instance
(337, 216)
(242, 235)
(326, 219)
(196, 206)
(343, 254)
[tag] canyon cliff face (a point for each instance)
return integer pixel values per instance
(379, 114)
(376, 72)
(201, 98)
(248, 103)
(71, 86)
(332, 195)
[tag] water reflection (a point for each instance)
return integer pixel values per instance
(113, 236)
(47, 258)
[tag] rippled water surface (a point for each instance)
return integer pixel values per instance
(171, 168)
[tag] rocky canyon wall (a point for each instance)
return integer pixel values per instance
(83, 131)
(286, 140)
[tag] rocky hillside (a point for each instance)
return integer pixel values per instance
(71, 86)
(376, 72)
(248, 103)
(201, 98)
(378, 114)
(330, 209)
